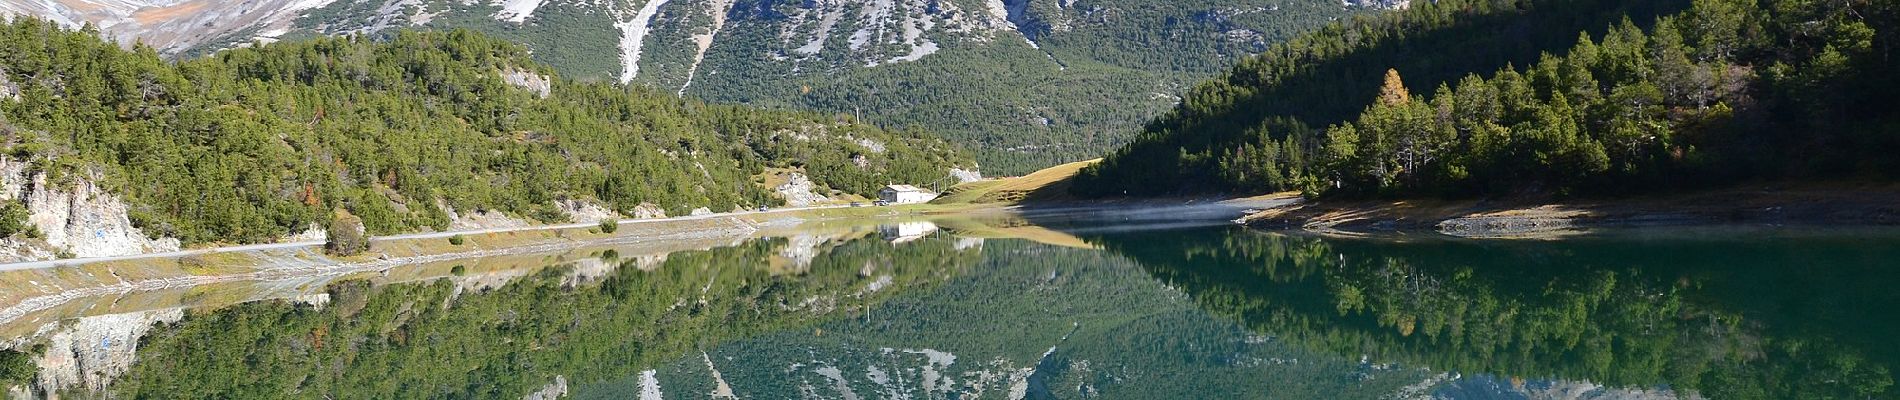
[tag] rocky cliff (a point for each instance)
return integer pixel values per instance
(74, 217)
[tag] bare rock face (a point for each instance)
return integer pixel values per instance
(873, 146)
(799, 191)
(172, 26)
(8, 90)
(314, 233)
(584, 211)
(648, 211)
(79, 218)
(701, 211)
(1379, 4)
(555, 390)
(533, 82)
(966, 175)
(480, 219)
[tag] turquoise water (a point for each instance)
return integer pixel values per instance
(1118, 310)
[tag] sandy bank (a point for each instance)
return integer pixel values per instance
(1806, 204)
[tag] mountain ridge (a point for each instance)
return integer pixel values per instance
(1028, 83)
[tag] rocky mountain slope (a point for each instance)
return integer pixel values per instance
(105, 148)
(1032, 82)
(1538, 99)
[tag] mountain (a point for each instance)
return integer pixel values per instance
(425, 130)
(1542, 98)
(1029, 83)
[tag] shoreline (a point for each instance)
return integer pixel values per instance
(255, 247)
(30, 291)
(1774, 205)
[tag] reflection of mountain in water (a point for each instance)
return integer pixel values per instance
(1194, 313)
(1724, 318)
(461, 336)
(1031, 321)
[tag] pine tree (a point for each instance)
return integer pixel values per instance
(1393, 92)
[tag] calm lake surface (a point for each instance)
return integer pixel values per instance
(1105, 306)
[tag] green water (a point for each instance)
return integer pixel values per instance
(1150, 312)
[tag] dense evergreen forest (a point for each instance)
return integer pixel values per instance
(1552, 97)
(250, 144)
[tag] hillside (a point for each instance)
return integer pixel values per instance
(1540, 98)
(423, 131)
(1028, 83)
(1048, 184)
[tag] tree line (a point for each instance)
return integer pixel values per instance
(1723, 90)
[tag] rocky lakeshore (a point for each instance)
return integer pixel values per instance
(1809, 205)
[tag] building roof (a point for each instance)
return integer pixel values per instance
(904, 188)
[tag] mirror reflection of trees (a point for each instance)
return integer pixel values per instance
(450, 338)
(1736, 318)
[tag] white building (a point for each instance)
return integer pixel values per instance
(905, 194)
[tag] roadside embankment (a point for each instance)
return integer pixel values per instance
(1806, 204)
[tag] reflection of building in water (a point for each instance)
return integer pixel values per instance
(904, 232)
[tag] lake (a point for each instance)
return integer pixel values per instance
(1136, 305)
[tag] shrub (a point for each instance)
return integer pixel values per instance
(346, 235)
(609, 226)
(16, 368)
(13, 220)
(457, 240)
(458, 270)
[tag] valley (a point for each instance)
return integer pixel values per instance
(949, 199)
(1026, 84)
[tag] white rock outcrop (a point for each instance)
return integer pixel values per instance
(966, 175)
(585, 211)
(799, 191)
(480, 219)
(79, 217)
(541, 85)
(555, 390)
(649, 211)
(8, 90)
(313, 233)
